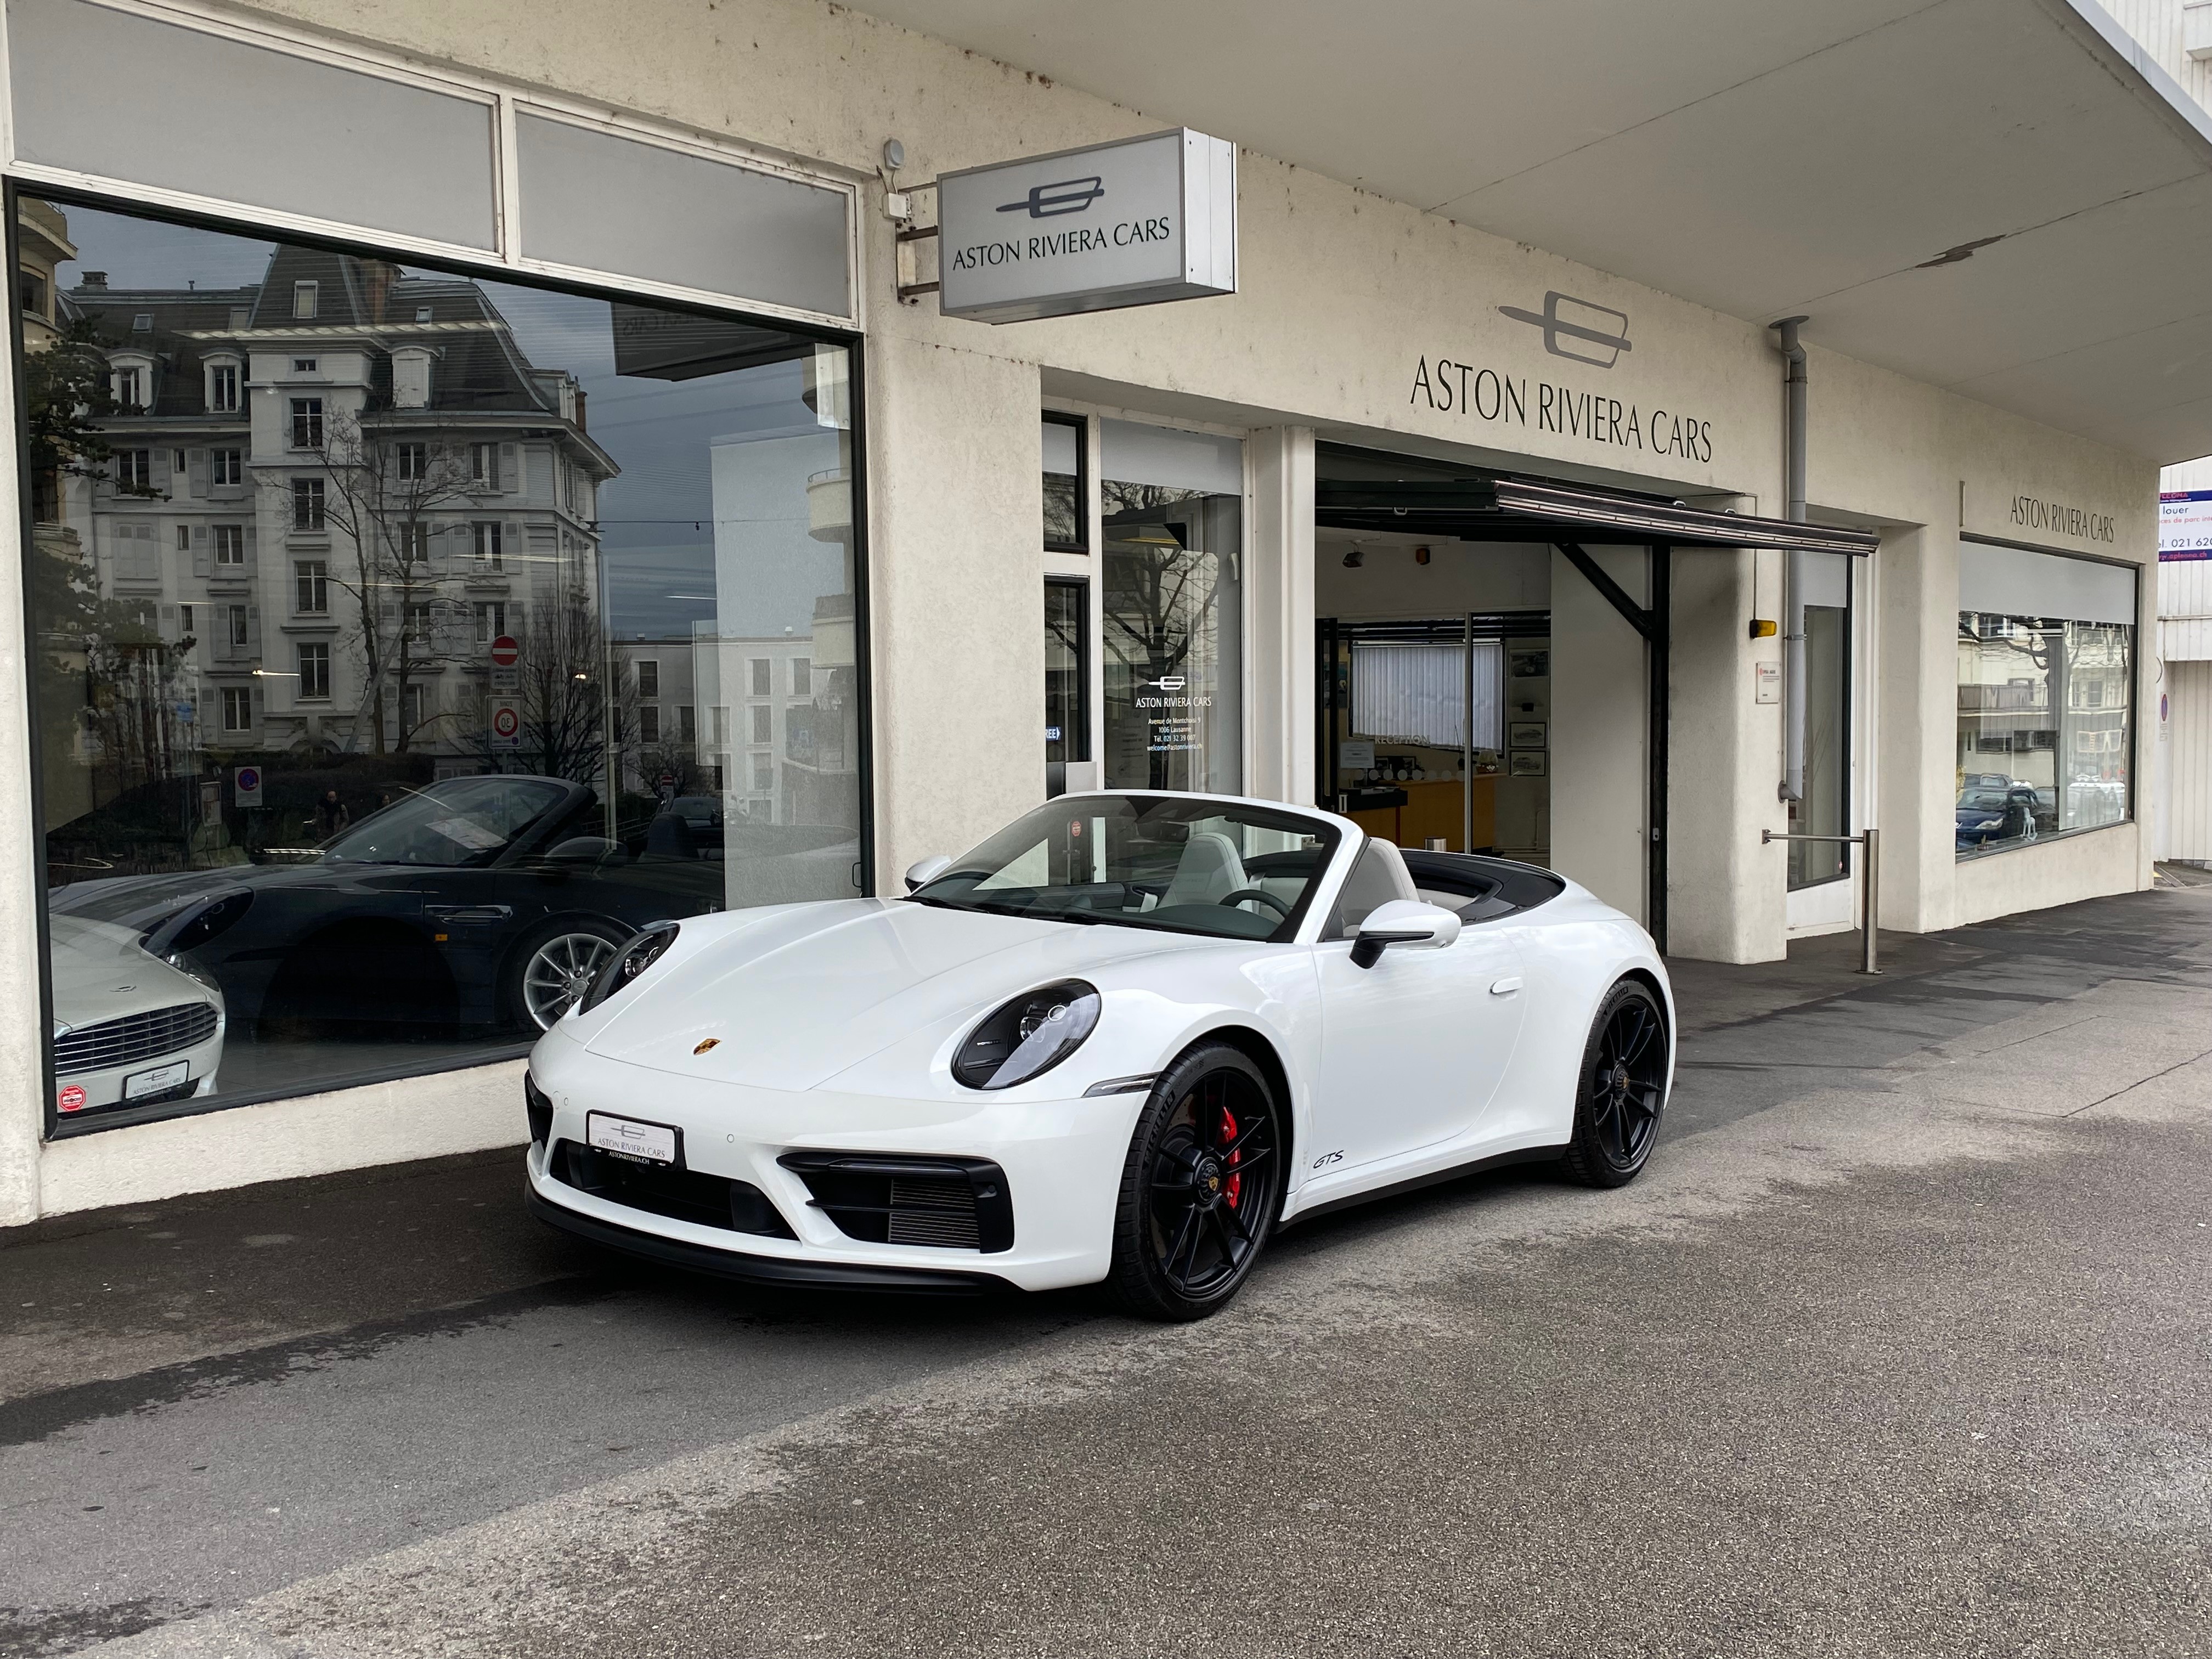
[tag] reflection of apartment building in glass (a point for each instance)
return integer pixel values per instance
(329, 492)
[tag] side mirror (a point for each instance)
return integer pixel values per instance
(1403, 921)
(918, 876)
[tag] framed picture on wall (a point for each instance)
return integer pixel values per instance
(1525, 735)
(1526, 763)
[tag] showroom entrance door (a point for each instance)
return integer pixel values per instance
(1825, 876)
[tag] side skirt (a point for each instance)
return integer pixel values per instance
(1433, 1178)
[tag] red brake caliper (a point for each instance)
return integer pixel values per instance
(1235, 1184)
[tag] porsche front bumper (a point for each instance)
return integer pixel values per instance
(1062, 1162)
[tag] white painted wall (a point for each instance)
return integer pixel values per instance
(2186, 750)
(1279, 589)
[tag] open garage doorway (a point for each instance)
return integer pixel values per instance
(1530, 623)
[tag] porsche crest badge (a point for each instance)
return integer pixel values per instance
(711, 1042)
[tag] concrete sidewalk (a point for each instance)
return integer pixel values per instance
(1897, 1348)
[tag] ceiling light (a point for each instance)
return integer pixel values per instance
(1951, 256)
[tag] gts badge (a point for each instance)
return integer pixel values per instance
(1327, 1159)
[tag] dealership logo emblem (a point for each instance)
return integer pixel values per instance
(1050, 201)
(1599, 328)
(1174, 683)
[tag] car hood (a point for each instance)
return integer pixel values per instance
(99, 973)
(139, 900)
(794, 995)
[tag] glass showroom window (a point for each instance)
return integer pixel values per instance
(200, 846)
(1172, 506)
(2045, 702)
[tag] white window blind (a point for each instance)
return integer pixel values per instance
(2012, 581)
(1417, 693)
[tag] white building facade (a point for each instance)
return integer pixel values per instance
(909, 573)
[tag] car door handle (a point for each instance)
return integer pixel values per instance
(1505, 987)
(469, 912)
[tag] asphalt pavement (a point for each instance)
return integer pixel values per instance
(1902, 1345)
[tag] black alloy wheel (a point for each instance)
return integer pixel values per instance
(1201, 1187)
(1623, 1087)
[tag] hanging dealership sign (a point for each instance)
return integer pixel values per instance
(1131, 223)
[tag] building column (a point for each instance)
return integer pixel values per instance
(22, 1013)
(955, 598)
(1727, 890)
(1917, 685)
(1281, 642)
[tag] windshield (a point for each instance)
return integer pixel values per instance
(464, 821)
(1165, 862)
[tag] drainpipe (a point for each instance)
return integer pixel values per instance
(1793, 630)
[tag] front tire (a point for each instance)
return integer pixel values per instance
(1200, 1189)
(1621, 1088)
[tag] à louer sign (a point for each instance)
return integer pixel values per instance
(1131, 223)
(2184, 525)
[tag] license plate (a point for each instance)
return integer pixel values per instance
(153, 1082)
(626, 1137)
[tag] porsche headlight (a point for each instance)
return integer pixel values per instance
(633, 959)
(1029, 1036)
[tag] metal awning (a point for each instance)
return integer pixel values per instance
(1524, 510)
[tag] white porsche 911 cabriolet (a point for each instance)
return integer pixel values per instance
(1123, 1040)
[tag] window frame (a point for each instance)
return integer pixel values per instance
(1081, 423)
(1079, 747)
(319, 652)
(156, 206)
(311, 587)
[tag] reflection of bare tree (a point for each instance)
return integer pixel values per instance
(379, 494)
(571, 686)
(1160, 593)
(1160, 601)
(111, 688)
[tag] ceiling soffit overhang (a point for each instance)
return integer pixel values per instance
(2004, 199)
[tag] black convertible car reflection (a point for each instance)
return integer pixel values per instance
(479, 905)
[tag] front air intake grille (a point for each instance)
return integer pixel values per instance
(706, 1200)
(948, 1203)
(134, 1037)
(941, 1212)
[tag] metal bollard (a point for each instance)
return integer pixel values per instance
(1870, 902)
